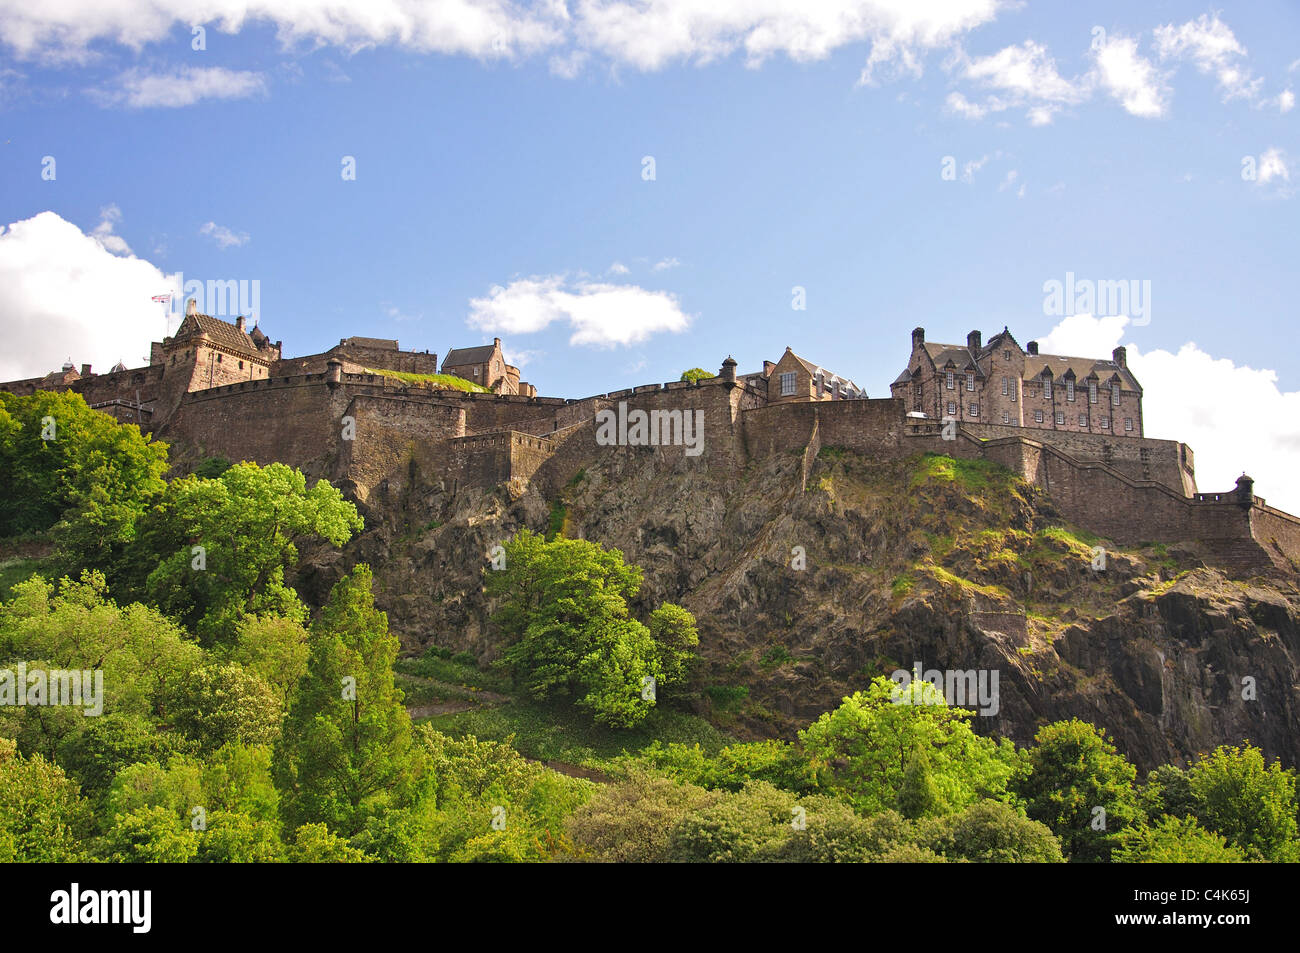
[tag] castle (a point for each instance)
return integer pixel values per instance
(366, 415)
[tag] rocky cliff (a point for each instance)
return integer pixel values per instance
(807, 583)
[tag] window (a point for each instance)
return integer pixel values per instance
(1038, 416)
(1006, 355)
(952, 409)
(1060, 419)
(1006, 386)
(1069, 390)
(970, 381)
(1006, 417)
(1047, 390)
(1114, 395)
(1105, 423)
(974, 410)
(1092, 392)
(1128, 423)
(949, 381)
(1083, 420)
(787, 383)
(218, 358)
(241, 365)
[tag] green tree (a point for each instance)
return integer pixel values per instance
(150, 835)
(233, 838)
(222, 702)
(1248, 801)
(239, 532)
(77, 472)
(861, 750)
(314, 844)
(918, 796)
(1167, 791)
(633, 820)
(275, 649)
(696, 374)
(991, 832)
(1076, 783)
(675, 638)
(1173, 840)
(42, 815)
(101, 747)
(346, 748)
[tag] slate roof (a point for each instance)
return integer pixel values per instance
(965, 360)
(222, 333)
(829, 377)
(460, 356)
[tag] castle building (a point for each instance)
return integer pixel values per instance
(1002, 383)
(794, 379)
(486, 366)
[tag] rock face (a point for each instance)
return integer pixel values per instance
(804, 594)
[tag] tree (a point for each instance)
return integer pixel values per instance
(918, 796)
(1168, 791)
(42, 815)
(314, 844)
(633, 820)
(991, 832)
(274, 649)
(149, 835)
(233, 838)
(563, 608)
(1173, 840)
(1251, 803)
(1076, 783)
(77, 472)
(346, 749)
(696, 374)
(221, 703)
(861, 750)
(94, 754)
(244, 525)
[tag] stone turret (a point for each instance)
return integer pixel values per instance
(334, 372)
(728, 372)
(1245, 491)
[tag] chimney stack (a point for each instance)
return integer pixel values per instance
(85, 370)
(239, 323)
(496, 342)
(191, 307)
(918, 337)
(1031, 347)
(1121, 356)
(973, 340)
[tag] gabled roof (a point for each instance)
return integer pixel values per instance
(222, 333)
(829, 377)
(1082, 367)
(460, 356)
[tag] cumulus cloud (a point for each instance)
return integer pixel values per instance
(103, 233)
(1211, 45)
(1285, 101)
(1235, 418)
(1023, 76)
(601, 314)
(1131, 78)
(618, 268)
(224, 237)
(643, 34)
(139, 89)
(65, 293)
(664, 264)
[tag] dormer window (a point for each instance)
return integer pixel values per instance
(1069, 390)
(970, 382)
(949, 377)
(1114, 395)
(1092, 392)
(1047, 388)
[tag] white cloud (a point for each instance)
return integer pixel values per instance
(601, 315)
(1211, 45)
(64, 293)
(224, 237)
(961, 106)
(182, 87)
(1131, 78)
(643, 34)
(1023, 76)
(109, 216)
(1285, 101)
(1272, 165)
(1009, 180)
(664, 264)
(618, 268)
(1235, 418)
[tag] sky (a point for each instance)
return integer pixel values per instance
(624, 190)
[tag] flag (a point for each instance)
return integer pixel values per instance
(162, 297)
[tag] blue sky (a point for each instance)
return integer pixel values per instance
(501, 189)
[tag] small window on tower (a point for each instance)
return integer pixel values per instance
(241, 365)
(1006, 417)
(218, 358)
(1060, 418)
(1006, 355)
(1038, 416)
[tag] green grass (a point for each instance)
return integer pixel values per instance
(776, 656)
(454, 670)
(444, 381)
(14, 570)
(727, 697)
(968, 474)
(562, 733)
(902, 585)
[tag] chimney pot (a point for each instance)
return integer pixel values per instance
(1121, 356)
(85, 370)
(973, 340)
(239, 323)
(918, 337)
(191, 307)
(1031, 347)
(496, 342)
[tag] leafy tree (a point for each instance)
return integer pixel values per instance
(696, 374)
(1173, 840)
(861, 749)
(633, 820)
(221, 703)
(918, 796)
(233, 838)
(991, 832)
(1167, 791)
(177, 787)
(93, 478)
(1071, 772)
(1250, 802)
(563, 608)
(94, 754)
(346, 748)
(149, 835)
(513, 845)
(237, 778)
(752, 824)
(212, 467)
(246, 522)
(314, 844)
(274, 649)
(42, 815)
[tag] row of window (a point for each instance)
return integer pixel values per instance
(1009, 391)
(1103, 423)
